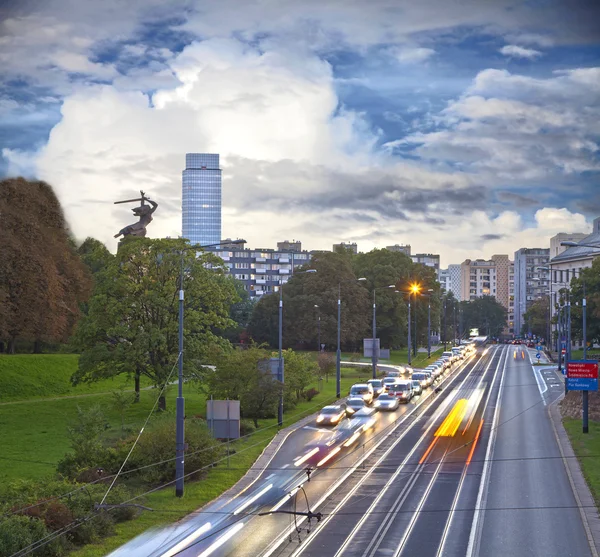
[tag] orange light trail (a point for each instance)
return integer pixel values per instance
(453, 420)
(429, 449)
(474, 443)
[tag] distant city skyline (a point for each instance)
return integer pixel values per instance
(455, 127)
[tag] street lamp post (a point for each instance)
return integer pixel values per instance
(374, 352)
(180, 401)
(428, 296)
(444, 325)
(338, 360)
(585, 393)
(318, 328)
(280, 372)
(409, 339)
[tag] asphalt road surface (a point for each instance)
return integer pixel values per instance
(472, 469)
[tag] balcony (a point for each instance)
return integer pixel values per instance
(260, 271)
(261, 281)
(284, 271)
(260, 259)
(284, 260)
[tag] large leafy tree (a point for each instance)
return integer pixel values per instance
(536, 317)
(132, 322)
(484, 313)
(589, 280)
(42, 279)
(242, 375)
(383, 268)
(305, 291)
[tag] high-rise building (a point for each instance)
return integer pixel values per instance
(531, 282)
(344, 246)
(455, 281)
(445, 280)
(399, 248)
(570, 261)
(261, 270)
(556, 249)
(201, 199)
(286, 245)
(429, 260)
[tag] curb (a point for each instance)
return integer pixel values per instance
(581, 491)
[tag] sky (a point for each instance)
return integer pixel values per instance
(462, 127)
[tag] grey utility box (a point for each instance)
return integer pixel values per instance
(223, 418)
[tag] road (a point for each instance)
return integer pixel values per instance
(470, 470)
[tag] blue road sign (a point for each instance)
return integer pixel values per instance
(582, 384)
(538, 355)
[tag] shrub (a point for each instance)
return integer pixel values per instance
(157, 444)
(18, 532)
(311, 393)
(246, 427)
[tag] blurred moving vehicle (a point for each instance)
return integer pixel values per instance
(416, 386)
(331, 415)
(387, 402)
(392, 374)
(387, 381)
(430, 377)
(354, 404)
(377, 385)
(421, 378)
(365, 390)
(402, 390)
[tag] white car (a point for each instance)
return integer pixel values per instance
(387, 403)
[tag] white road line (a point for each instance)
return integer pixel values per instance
(351, 470)
(541, 384)
(472, 548)
(359, 484)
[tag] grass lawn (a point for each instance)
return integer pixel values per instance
(39, 376)
(587, 448)
(400, 357)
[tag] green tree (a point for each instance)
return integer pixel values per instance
(536, 317)
(590, 280)
(132, 323)
(302, 293)
(485, 314)
(300, 371)
(244, 375)
(239, 313)
(42, 279)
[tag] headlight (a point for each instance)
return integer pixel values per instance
(350, 410)
(320, 419)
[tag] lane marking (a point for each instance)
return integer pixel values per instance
(472, 548)
(412, 480)
(449, 378)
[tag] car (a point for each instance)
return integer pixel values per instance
(387, 381)
(416, 385)
(377, 385)
(430, 377)
(387, 403)
(331, 415)
(421, 378)
(408, 370)
(392, 374)
(435, 371)
(402, 390)
(365, 390)
(354, 404)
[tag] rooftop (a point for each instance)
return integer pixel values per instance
(581, 252)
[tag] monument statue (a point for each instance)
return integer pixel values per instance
(144, 212)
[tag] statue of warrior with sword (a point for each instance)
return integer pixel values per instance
(144, 212)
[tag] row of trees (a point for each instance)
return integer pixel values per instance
(308, 296)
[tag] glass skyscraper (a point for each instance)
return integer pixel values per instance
(201, 199)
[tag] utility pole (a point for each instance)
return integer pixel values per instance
(280, 362)
(444, 325)
(338, 360)
(428, 329)
(180, 402)
(374, 348)
(409, 337)
(584, 394)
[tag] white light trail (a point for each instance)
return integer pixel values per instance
(252, 499)
(223, 539)
(188, 540)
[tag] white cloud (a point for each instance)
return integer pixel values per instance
(515, 51)
(412, 55)
(515, 127)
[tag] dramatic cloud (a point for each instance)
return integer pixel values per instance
(375, 122)
(515, 51)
